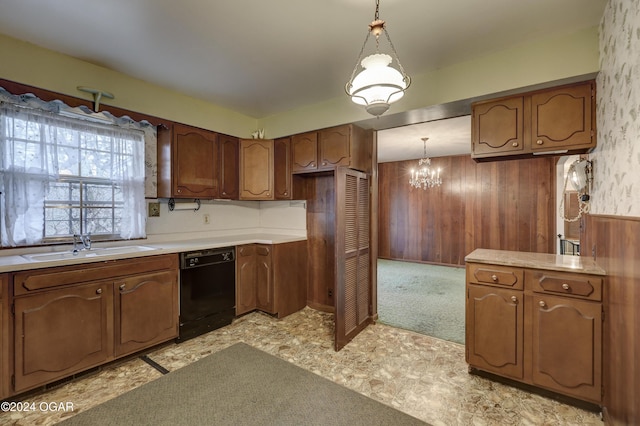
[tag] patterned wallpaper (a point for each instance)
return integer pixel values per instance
(616, 186)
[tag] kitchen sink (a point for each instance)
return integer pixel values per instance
(94, 252)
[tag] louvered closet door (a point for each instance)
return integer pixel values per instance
(353, 278)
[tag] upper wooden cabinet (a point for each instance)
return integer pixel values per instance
(560, 120)
(282, 169)
(256, 169)
(187, 162)
(229, 167)
(326, 149)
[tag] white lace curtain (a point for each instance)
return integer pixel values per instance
(37, 148)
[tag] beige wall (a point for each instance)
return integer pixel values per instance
(528, 64)
(29, 64)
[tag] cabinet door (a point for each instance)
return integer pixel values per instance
(256, 169)
(195, 158)
(146, 308)
(334, 147)
(282, 169)
(229, 167)
(5, 374)
(567, 346)
(494, 330)
(264, 279)
(304, 152)
(62, 332)
(497, 127)
(245, 278)
(563, 118)
(352, 253)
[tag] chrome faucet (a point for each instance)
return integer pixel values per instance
(85, 239)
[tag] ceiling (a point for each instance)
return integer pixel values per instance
(261, 58)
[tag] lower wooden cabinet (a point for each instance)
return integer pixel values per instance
(271, 278)
(544, 330)
(146, 312)
(5, 337)
(69, 319)
(495, 330)
(61, 332)
(569, 330)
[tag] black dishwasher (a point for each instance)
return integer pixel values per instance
(207, 291)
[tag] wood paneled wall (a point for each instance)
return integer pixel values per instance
(615, 241)
(506, 205)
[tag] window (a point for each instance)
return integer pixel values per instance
(63, 176)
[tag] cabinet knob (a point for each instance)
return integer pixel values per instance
(224, 193)
(542, 304)
(123, 286)
(514, 144)
(324, 163)
(494, 277)
(565, 286)
(99, 291)
(179, 191)
(286, 193)
(313, 164)
(514, 299)
(539, 142)
(268, 194)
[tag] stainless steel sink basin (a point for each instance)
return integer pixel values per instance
(94, 252)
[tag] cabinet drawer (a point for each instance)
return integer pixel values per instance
(26, 282)
(502, 276)
(568, 284)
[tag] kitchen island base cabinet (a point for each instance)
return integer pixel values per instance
(545, 330)
(70, 319)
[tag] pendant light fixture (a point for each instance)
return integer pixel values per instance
(424, 177)
(376, 84)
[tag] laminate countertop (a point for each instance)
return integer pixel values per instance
(551, 262)
(22, 262)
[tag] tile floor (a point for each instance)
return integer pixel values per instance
(420, 375)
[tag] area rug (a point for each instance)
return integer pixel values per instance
(241, 385)
(428, 299)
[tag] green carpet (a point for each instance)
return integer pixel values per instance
(428, 299)
(241, 385)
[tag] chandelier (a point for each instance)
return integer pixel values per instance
(377, 85)
(424, 177)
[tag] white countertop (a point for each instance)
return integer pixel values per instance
(13, 263)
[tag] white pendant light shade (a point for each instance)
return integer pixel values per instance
(377, 85)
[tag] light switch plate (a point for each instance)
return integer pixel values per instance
(154, 209)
